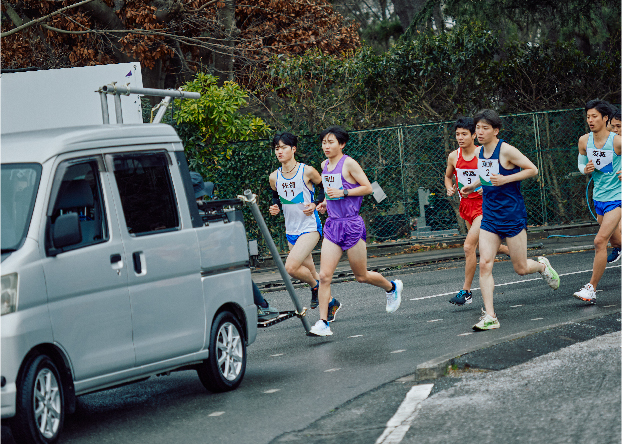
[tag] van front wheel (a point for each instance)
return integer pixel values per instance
(224, 369)
(40, 403)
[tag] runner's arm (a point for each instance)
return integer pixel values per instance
(355, 170)
(276, 206)
(584, 166)
(449, 173)
(515, 157)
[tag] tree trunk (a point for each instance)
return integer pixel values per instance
(224, 59)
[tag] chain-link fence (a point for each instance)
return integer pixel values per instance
(404, 159)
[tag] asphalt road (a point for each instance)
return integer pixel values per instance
(293, 380)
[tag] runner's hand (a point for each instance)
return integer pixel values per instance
(333, 193)
(274, 210)
(309, 209)
(480, 191)
(321, 208)
(451, 191)
(589, 167)
(466, 190)
(498, 179)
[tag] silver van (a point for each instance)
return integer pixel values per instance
(109, 274)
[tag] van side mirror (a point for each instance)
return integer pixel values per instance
(66, 232)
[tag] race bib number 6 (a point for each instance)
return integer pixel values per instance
(602, 159)
(332, 181)
(486, 168)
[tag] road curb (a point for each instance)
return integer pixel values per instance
(437, 367)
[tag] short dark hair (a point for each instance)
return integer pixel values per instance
(488, 116)
(615, 114)
(287, 138)
(602, 106)
(340, 134)
(465, 123)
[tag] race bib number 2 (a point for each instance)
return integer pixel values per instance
(602, 159)
(486, 168)
(332, 181)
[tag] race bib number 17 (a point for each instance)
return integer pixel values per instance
(486, 168)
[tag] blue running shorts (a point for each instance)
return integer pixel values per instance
(605, 207)
(504, 228)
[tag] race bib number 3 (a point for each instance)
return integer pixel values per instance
(465, 177)
(602, 159)
(486, 168)
(332, 181)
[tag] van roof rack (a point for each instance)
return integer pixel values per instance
(118, 90)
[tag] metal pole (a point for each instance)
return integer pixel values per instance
(117, 108)
(126, 90)
(104, 102)
(251, 200)
(163, 107)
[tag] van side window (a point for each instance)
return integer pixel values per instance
(146, 191)
(80, 192)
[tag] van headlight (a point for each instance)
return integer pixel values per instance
(9, 293)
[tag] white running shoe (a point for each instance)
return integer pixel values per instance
(587, 294)
(486, 322)
(320, 329)
(550, 276)
(394, 298)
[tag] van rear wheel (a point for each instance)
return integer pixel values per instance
(224, 369)
(40, 403)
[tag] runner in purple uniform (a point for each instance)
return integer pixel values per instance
(345, 184)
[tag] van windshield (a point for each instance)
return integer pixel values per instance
(20, 182)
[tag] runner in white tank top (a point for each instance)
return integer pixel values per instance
(296, 189)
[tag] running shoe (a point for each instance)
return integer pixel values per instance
(587, 294)
(320, 329)
(486, 322)
(266, 314)
(394, 298)
(550, 276)
(614, 255)
(333, 308)
(314, 300)
(463, 297)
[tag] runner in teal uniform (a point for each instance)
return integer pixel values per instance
(599, 154)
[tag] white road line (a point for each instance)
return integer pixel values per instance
(331, 370)
(514, 306)
(355, 336)
(398, 351)
(400, 423)
(537, 319)
(272, 391)
(278, 354)
(466, 334)
(216, 414)
(435, 320)
(607, 306)
(509, 283)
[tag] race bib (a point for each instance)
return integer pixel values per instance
(466, 177)
(602, 159)
(486, 168)
(332, 181)
(288, 192)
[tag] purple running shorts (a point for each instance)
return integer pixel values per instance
(345, 232)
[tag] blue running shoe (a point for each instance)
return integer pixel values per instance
(463, 297)
(333, 308)
(614, 255)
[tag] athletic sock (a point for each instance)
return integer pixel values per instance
(326, 322)
(392, 287)
(316, 285)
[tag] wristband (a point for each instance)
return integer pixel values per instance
(276, 200)
(582, 163)
(319, 195)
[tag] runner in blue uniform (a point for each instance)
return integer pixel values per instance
(501, 168)
(599, 154)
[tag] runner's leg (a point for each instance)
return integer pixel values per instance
(299, 254)
(488, 247)
(518, 254)
(470, 249)
(357, 256)
(329, 258)
(608, 224)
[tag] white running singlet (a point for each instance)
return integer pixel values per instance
(294, 194)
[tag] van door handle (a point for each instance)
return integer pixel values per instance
(116, 261)
(137, 263)
(114, 258)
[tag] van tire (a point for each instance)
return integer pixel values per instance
(224, 369)
(41, 386)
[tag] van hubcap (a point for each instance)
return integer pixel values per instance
(230, 353)
(47, 403)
